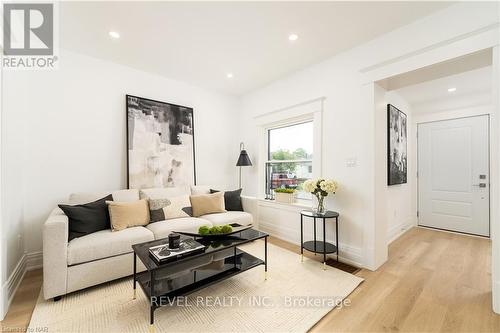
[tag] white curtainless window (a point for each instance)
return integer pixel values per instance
(289, 157)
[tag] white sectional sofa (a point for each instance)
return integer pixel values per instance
(107, 255)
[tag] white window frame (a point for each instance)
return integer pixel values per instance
(293, 115)
(293, 123)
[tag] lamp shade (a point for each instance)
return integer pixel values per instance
(243, 160)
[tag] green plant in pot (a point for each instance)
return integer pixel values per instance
(285, 195)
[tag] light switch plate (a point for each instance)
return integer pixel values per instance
(351, 162)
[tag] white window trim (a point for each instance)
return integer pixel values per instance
(311, 110)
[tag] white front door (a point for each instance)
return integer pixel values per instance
(453, 175)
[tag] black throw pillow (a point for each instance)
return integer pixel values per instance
(88, 218)
(232, 200)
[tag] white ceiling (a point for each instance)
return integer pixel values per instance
(200, 42)
(472, 88)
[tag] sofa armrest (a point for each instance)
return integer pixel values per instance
(250, 206)
(55, 252)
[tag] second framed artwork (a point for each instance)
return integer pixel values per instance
(160, 144)
(397, 154)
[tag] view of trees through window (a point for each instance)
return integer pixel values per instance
(289, 157)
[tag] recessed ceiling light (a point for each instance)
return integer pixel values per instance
(114, 34)
(452, 89)
(229, 75)
(293, 37)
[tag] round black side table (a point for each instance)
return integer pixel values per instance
(316, 246)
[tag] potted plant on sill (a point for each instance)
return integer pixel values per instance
(320, 188)
(285, 195)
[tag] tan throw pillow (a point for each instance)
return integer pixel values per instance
(207, 204)
(128, 214)
(179, 207)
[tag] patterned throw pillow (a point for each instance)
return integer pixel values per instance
(157, 207)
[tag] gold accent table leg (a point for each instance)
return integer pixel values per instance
(265, 276)
(324, 265)
(301, 258)
(152, 328)
(135, 294)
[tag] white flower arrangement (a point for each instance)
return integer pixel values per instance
(320, 188)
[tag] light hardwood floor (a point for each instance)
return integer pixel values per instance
(433, 282)
(23, 304)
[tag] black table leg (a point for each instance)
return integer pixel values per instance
(265, 258)
(152, 319)
(135, 274)
(337, 236)
(301, 239)
(152, 307)
(324, 244)
(234, 257)
(314, 236)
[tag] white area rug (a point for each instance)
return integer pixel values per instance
(290, 286)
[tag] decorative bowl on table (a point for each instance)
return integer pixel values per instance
(217, 231)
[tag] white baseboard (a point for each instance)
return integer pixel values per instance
(34, 260)
(347, 254)
(398, 230)
(10, 286)
(496, 296)
(28, 262)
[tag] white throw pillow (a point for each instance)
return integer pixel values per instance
(179, 207)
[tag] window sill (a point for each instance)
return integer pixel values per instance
(300, 203)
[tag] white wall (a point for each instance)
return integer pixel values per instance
(11, 195)
(401, 199)
(72, 129)
(13, 143)
(349, 128)
(344, 131)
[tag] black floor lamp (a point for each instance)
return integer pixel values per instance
(243, 160)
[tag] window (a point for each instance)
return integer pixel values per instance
(290, 155)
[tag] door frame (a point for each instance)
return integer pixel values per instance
(417, 183)
(374, 243)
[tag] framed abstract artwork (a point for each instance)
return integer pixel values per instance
(160, 144)
(397, 158)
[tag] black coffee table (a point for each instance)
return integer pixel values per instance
(220, 260)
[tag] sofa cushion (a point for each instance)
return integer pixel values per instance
(242, 218)
(163, 228)
(120, 195)
(105, 244)
(200, 189)
(162, 193)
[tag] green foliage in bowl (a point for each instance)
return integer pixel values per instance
(216, 230)
(204, 230)
(225, 229)
(284, 190)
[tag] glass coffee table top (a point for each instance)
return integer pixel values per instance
(212, 246)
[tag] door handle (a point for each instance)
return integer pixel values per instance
(480, 185)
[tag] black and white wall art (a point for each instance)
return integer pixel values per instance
(160, 144)
(397, 158)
